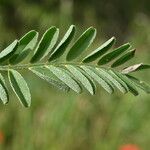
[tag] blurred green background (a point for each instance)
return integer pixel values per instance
(62, 121)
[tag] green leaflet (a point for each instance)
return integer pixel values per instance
(48, 76)
(3, 91)
(46, 44)
(131, 86)
(114, 54)
(60, 49)
(88, 77)
(25, 45)
(8, 52)
(65, 77)
(142, 85)
(136, 67)
(103, 77)
(123, 84)
(20, 87)
(97, 78)
(99, 51)
(127, 56)
(82, 43)
(81, 77)
(112, 80)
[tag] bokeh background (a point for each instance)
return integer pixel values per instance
(62, 121)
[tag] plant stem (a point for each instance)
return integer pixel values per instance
(27, 66)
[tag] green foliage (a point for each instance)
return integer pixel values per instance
(68, 75)
(8, 52)
(61, 47)
(127, 56)
(46, 44)
(3, 91)
(114, 54)
(20, 87)
(99, 51)
(25, 45)
(48, 76)
(83, 42)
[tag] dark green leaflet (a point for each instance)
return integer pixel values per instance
(82, 43)
(8, 52)
(126, 57)
(46, 44)
(65, 77)
(20, 87)
(113, 54)
(61, 47)
(48, 76)
(25, 45)
(99, 51)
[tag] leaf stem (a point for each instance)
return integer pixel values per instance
(27, 66)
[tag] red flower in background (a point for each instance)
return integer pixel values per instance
(129, 147)
(1, 137)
